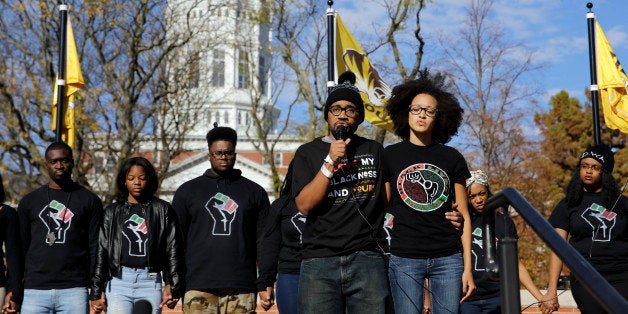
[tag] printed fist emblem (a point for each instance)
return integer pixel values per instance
(601, 221)
(57, 218)
(223, 211)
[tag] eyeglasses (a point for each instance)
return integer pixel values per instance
(430, 112)
(351, 112)
(223, 154)
(595, 168)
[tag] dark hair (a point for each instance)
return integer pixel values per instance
(151, 177)
(469, 205)
(610, 190)
(2, 194)
(221, 133)
(58, 145)
(449, 116)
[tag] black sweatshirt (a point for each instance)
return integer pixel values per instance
(66, 260)
(281, 245)
(222, 220)
(10, 238)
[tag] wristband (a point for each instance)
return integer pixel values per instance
(329, 160)
(328, 174)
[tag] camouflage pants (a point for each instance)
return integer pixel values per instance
(199, 302)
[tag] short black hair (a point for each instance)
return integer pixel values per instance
(448, 118)
(57, 146)
(223, 133)
(152, 183)
(2, 194)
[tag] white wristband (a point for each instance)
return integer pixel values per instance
(329, 160)
(326, 172)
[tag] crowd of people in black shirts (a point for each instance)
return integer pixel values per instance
(358, 228)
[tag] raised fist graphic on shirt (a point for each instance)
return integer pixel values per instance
(476, 239)
(429, 187)
(134, 231)
(57, 218)
(601, 220)
(298, 221)
(223, 211)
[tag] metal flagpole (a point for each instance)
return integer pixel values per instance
(593, 70)
(331, 53)
(61, 75)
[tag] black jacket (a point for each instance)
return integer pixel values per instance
(164, 248)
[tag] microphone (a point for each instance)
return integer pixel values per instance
(341, 133)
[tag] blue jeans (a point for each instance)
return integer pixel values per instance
(287, 293)
(353, 283)
(135, 287)
(58, 301)
(407, 277)
(484, 306)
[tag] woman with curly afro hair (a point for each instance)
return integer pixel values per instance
(424, 178)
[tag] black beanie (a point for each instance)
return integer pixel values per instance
(221, 133)
(602, 154)
(345, 90)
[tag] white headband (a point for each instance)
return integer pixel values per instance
(477, 176)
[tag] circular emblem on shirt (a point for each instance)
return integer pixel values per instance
(423, 187)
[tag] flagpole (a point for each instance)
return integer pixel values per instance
(593, 70)
(331, 53)
(63, 10)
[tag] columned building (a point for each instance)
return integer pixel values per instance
(225, 71)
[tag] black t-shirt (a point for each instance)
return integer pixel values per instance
(59, 231)
(599, 234)
(422, 186)
(337, 227)
(485, 287)
(282, 242)
(135, 233)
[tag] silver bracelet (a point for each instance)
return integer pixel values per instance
(326, 172)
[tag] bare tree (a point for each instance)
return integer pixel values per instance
(124, 48)
(405, 48)
(492, 78)
(27, 47)
(301, 34)
(265, 80)
(489, 76)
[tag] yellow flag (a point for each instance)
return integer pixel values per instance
(374, 91)
(74, 81)
(613, 84)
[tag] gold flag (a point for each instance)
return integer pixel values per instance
(612, 82)
(74, 81)
(374, 91)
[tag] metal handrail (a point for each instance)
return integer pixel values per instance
(592, 281)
